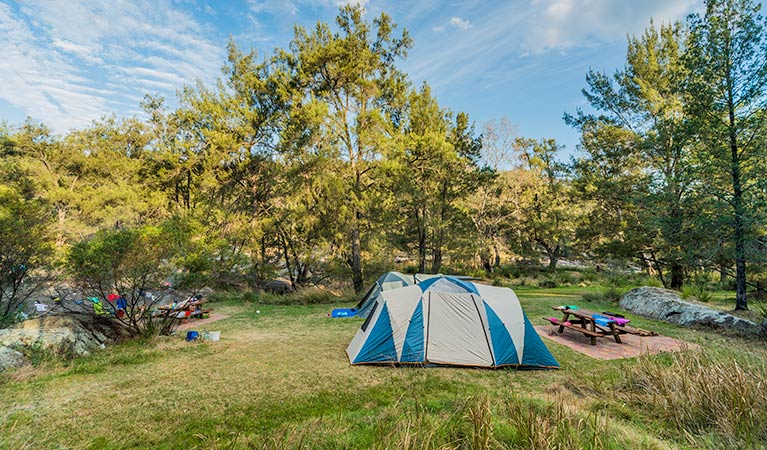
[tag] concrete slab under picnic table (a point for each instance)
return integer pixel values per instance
(607, 348)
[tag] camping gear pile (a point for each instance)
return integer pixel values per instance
(442, 320)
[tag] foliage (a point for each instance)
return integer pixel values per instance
(321, 163)
(135, 264)
(728, 91)
(24, 249)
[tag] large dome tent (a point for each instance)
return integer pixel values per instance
(448, 321)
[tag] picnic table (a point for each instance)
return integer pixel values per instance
(594, 325)
(186, 309)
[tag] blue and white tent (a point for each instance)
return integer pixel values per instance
(447, 321)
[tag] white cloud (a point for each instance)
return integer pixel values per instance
(438, 28)
(460, 23)
(68, 63)
(562, 24)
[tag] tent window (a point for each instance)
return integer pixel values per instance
(370, 317)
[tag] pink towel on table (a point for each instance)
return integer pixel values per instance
(620, 322)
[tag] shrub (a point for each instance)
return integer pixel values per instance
(697, 291)
(547, 283)
(607, 295)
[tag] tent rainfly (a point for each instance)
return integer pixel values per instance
(447, 321)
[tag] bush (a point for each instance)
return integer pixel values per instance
(607, 295)
(697, 291)
(547, 283)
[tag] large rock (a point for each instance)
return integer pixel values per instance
(277, 286)
(10, 358)
(60, 335)
(664, 304)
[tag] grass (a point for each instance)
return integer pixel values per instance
(279, 378)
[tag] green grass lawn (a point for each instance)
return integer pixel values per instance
(281, 379)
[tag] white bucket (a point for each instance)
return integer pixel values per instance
(214, 336)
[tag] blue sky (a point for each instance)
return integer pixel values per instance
(68, 62)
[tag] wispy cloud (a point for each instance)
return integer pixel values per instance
(513, 30)
(58, 54)
(460, 23)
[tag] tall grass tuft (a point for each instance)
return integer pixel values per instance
(703, 395)
(476, 422)
(556, 425)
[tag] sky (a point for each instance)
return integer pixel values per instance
(68, 62)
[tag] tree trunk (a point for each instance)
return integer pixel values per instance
(422, 250)
(741, 303)
(286, 254)
(486, 264)
(61, 212)
(722, 272)
(552, 254)
(356, 262)
(436, 262)
(677, 276)
(497, 255)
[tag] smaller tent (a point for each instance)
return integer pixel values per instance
(448, 321)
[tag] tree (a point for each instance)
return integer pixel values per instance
(549, 216)
(135, 264)
(498, 143)
(727, 86)
(351, 73)
(643, 118)
(24, 248)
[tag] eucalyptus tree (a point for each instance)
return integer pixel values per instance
(428, 172)
(227, 150)
(350, 73)
(641, 137)
(727, 85)
(548, 214)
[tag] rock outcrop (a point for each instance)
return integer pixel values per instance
(664, 304)
(63, 336)
(10, 358)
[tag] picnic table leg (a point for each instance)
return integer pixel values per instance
(593, 340)
(615, 333)
(562, 327)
